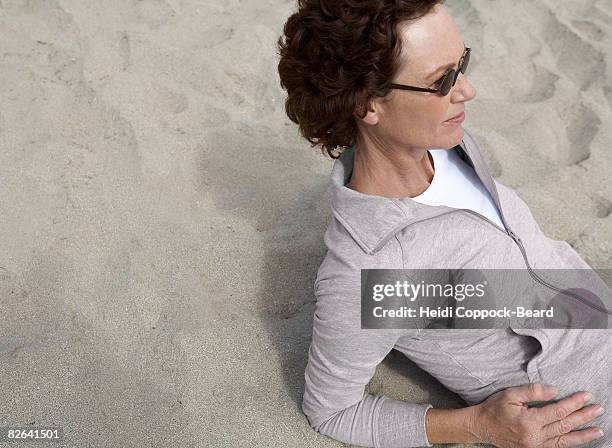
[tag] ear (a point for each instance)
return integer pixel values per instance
(372, 112)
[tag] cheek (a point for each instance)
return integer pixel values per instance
(430, 112)
(427, 125)
(419, 121)
(438, 112)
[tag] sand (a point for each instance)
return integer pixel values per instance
(162, 221)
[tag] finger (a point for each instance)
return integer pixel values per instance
(532, 392)
(575, 438)
(561, 409)
(573, 420)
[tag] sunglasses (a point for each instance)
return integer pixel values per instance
(447, 82)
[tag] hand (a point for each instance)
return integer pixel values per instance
(505, 421)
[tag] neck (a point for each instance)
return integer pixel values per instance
(392, 174)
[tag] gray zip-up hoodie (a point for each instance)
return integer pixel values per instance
(375, 232)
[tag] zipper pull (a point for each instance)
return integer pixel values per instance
(514, 236)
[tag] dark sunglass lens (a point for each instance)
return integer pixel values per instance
(465, 62)
(447, 83)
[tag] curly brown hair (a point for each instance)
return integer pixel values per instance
(335, 56)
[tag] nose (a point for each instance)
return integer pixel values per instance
(463, 90)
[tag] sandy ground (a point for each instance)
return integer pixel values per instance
(161, 221)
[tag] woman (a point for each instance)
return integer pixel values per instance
(384, 80)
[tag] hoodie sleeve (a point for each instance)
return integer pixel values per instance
(342, 359)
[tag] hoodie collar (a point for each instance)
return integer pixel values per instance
(372, 220)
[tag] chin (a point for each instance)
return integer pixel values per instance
(453, 138)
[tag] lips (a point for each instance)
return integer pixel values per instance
(456, 117)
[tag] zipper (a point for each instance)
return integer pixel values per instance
(540, 280)
(508, 231)
(518, 241)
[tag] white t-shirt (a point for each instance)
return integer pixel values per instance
(455, 184)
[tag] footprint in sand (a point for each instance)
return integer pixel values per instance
(155, 13)
(543, 86)
(602, 10)
(608, 92)
(603, 207)
(589, 29)
(124, 47)
(468, 18)
(582, 127)
(576, 57)
(580, 123)
(172, 101)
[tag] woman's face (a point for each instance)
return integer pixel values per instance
(409, 119)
